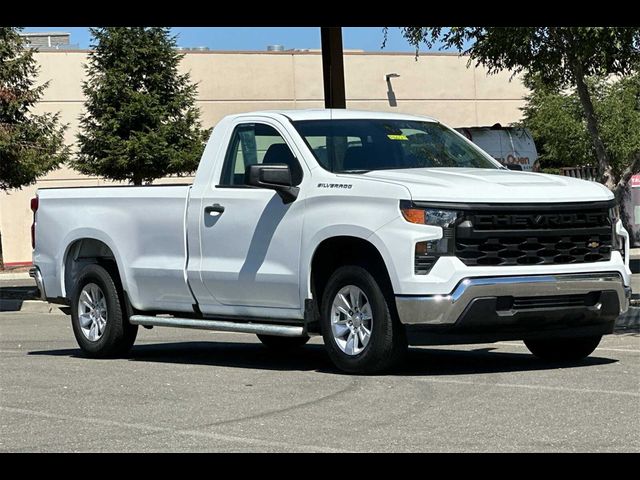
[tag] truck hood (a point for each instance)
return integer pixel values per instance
(487, 185)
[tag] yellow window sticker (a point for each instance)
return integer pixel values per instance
(397, 137)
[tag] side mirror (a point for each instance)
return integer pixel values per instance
(274, 176)
(513, 166)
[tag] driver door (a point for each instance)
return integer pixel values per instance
(250, 239)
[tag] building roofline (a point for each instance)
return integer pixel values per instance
(290, 52)
(43, 34)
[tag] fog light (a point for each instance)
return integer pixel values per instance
(421, 248)
(424, 258)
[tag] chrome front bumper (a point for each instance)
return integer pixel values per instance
(447, 309)
(34, 273)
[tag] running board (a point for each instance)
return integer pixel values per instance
(257, 328)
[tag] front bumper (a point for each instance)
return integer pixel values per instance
(513, 297)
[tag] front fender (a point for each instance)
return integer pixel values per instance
(342, 230)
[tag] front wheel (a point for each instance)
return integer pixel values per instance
(99, 323)
(359, 330)
(563, 349)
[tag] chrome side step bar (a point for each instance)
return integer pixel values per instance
(220, 325)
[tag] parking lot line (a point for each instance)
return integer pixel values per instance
(531, 387)
(155, 428)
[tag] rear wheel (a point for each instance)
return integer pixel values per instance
(360, 331)
(99, 324)
(282, 344)
(563, 349)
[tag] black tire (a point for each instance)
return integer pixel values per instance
(387, 344)
(282, 344)
(119, 335)
(563, 349)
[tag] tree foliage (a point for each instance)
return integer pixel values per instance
(618, 110)
(550, 52)
(30, 145)
(141, 122)
(556, 121)
(559, 57)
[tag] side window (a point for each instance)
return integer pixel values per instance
(255, 143)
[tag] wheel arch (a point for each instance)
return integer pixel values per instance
(343, 249)
(85, 248)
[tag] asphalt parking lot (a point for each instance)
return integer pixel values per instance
(184, 390)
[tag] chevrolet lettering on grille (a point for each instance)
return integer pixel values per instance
(540, 220)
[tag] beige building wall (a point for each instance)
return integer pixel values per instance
(439, 85)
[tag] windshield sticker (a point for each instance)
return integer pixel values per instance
(397, 137)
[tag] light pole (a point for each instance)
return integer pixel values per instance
(333, 67)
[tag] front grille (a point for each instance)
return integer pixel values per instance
(538, 250)
(516, 238)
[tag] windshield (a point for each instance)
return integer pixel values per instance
(364, 145)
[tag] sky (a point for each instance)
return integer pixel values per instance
(257, 38)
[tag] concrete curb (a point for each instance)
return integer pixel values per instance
(15, 276)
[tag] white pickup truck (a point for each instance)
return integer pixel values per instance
(374, 230)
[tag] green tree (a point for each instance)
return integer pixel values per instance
(618, 109)
(141, 122)
(30, 145)
(556, 121)
(560, 57)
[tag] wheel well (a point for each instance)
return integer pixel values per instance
(338, 251)
(86, 251)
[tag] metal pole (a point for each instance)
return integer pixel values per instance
(333, 67)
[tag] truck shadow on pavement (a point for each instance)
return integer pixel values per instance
(419, 361)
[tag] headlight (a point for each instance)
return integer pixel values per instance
(427, 253)
(429, 216)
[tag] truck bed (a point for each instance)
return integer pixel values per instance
(143, 226)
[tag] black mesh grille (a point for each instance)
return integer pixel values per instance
(556, 301)
(515, 238)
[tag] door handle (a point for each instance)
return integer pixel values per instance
(215, 209)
